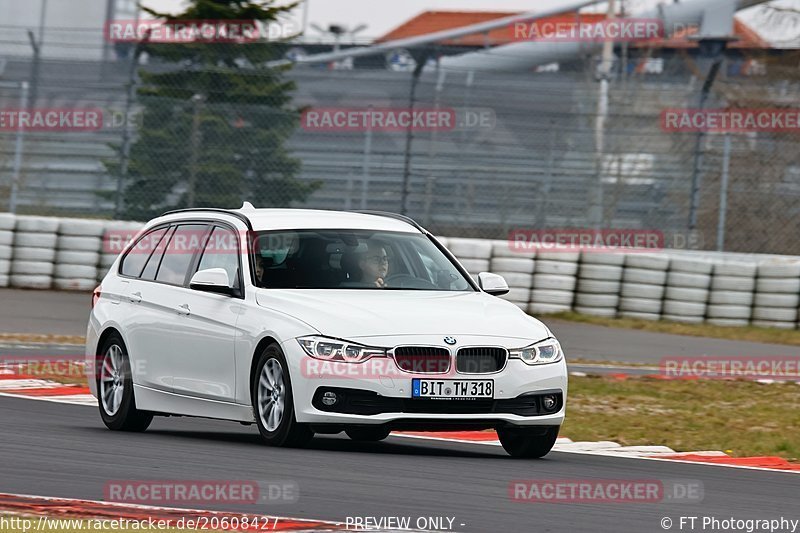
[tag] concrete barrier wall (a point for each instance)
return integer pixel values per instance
(729, 289)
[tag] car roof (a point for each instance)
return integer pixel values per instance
(289, 219)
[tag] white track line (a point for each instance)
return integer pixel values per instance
(602, 448)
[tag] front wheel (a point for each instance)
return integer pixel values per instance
(115, 389)
(528, 443)
(273, 402)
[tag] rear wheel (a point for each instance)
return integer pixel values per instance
(115, 389)
(273, 402)
(367, 434)
(528, 443)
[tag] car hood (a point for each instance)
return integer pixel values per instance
(351, 314)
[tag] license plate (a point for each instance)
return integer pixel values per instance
(459, 389)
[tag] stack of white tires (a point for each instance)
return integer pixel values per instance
(686, 296)
(643, 285)
(554, 281)
(731, 298)
(599, 281)
(116, 235)
(34, 252)
(473, 254)
(79, 244)
(777, 290)
(517, 268)
(7, 222)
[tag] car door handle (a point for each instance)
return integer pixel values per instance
(136, 297)
(183, 309)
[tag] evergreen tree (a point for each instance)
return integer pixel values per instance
(215, 120)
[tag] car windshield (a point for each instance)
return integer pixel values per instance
(352, 259)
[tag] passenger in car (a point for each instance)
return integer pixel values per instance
(259, 270)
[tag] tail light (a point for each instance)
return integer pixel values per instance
(96, 295)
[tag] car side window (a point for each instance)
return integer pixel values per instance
(222, 251)
(186, 241)
(134, 261)
(150, 269)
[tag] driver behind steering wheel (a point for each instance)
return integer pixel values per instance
(374, 265)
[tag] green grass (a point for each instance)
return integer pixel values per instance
(745, 333)
(744, 417)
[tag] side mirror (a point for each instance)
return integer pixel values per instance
(492, 284)
(212, 280)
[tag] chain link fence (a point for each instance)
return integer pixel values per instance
(516, 150)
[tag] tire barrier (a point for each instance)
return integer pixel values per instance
(686, 293)
(79, 245)
(777, 294)
(517, 269)
(555, 277)
(718, 288)
(731, 297)
(60, 253)
(599, 299)
(473, 254)
(7, 223)
(642, 290)
(33, 252)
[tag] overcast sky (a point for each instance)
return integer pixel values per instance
(384, 15)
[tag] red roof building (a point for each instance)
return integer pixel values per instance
(433, 21)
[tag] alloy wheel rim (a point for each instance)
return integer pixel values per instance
(112, 384)
(271, 395)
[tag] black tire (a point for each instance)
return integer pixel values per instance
(528, 443)
(288, 433)
(127, 417)
(367, 434)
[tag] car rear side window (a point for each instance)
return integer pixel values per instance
(150, 269)
(187, 240)
(134, 261)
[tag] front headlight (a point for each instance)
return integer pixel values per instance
(540, 353)
(338, 350)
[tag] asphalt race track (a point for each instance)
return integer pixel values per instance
(63, 450)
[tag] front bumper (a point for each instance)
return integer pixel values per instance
(386, 399)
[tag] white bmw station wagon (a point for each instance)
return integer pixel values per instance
(306, 322)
